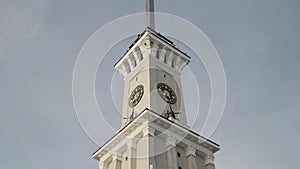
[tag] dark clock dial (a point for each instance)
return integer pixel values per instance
(166, 93)
(136, 95)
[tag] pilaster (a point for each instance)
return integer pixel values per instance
(209, 162)
(171, 153)
(131, 147)
(148, 133)
(116, 161)
(191, 157)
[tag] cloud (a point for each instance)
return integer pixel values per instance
(20, 21)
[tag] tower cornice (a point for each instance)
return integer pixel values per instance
(136, 128)
(152, 44)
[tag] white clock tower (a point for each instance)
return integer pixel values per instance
(151, 70)
(154, 132)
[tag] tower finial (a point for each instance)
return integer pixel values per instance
(150, 14)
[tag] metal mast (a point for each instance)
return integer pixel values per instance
(150, 19)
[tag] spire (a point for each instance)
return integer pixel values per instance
(150, 14)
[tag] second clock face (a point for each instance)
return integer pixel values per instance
(166, 93)
(136, 95)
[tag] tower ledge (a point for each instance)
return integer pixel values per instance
(162, 129)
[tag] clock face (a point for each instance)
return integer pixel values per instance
(136, 95)
(166, 93)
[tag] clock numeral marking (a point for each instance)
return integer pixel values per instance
(166, 93)
(136, 96)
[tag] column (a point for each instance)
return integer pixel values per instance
(148, 133)
(116, 163)
(171, 153)
(131, 146)
(209, 162)
(191, 157)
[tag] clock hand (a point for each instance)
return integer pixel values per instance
(172, 113)
(131, 117)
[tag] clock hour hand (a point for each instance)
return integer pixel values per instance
(171, 113)
(131, 116)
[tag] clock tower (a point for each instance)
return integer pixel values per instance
(154, 131)
(151, 70)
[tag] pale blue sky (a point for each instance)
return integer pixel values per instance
(258, 42)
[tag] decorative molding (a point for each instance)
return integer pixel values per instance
(148, 131)
(131, 62)
(169, 59)
(148, 42)
(155, 48)
(137, 55)
(150, 45)
(209, 159)
(116, 157)
(132, 144)
(162, 54)
(170, 141)
(190, 151)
